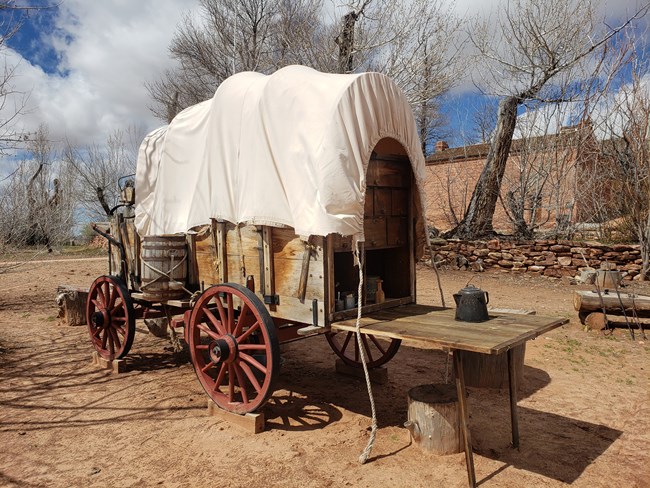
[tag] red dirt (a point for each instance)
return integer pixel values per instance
(584, 411)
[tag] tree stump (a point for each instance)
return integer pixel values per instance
(491, 371)
(434, 418)
(71, 301)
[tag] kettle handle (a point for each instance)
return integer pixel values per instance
(487, 298)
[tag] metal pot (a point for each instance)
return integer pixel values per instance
(471, 304)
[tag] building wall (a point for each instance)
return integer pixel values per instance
(552, 167)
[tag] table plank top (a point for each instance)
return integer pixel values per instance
(433, 327)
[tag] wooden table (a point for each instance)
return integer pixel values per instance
(431, 327)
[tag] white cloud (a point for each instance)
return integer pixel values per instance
(108, 50)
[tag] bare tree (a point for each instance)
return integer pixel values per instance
(624, 164)
(100, 166)
(232, 36)
(36, 204)
(403, 40)
(539, 50)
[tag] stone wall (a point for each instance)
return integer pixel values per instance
(541, 257)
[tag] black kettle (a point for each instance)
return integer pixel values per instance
(471, 304)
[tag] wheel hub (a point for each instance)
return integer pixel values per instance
(100, 318)
(223, 349)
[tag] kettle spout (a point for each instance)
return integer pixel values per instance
(413, 428)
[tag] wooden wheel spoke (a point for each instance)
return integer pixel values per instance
(113, 297)
(241, 321)
(104, 338)
(247, 334)
(96, 303)
(220, 376)
(207, 330)
(223, 316)
(121, 331)
(377, 344)
(118, 319)
(218, 325)
(366, 346)
(116, 338)
(240, 381)
(106, 290)
(205, 368)
(117, 308)
(231, 313)
(252, 347)
(346, 342)
(111, 344)
(99, 295)
(251, 377)
(231, 385)
(202, 347)
(252, 361)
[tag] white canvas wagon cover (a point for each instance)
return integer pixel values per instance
(287, 149)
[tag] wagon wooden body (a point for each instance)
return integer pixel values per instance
(245, 288)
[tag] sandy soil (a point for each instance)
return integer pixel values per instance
(584, 408)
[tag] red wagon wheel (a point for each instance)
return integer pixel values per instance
(234, 348)
(378, 350)
(110, 317)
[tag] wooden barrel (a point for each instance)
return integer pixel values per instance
(164, 267)
(491, 371)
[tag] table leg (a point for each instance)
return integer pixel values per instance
(512, 382)
(464, 417)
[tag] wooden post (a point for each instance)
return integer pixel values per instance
(464, 418)
(512, 381)
(433, 418)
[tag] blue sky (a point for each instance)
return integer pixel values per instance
(83, 64)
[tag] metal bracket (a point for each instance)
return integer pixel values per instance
(314, 312)
(271, 299)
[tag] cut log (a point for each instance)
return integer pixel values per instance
(491, 371)
(596, 321)
(588, 301)
(71, 301)
(434, 419)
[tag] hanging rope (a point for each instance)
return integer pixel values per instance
(435, 268)
(373, 431)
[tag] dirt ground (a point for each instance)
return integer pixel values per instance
(584, 407)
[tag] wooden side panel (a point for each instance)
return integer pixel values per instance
(399, 202)
(206, 257)
(388, 173)
(383, 197)
(375, 230)
(397, 231)
(288, 254)
(242, 253)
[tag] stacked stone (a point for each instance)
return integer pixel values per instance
(553, 258)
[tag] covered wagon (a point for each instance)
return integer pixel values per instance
(267, 214)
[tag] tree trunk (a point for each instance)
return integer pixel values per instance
(478, 217)
(345, 41)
